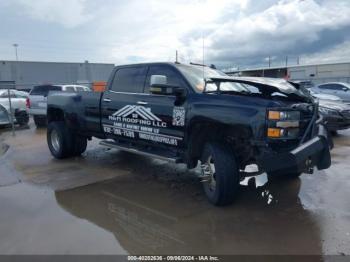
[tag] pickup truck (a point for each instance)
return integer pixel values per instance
(198, 116)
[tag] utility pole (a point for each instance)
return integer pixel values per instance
(176, 57)
(298, 60)
(286, 61)
(16, 46)
(269, 61)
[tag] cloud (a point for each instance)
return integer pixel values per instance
(68, 13)
(287, 27)
(127, 31)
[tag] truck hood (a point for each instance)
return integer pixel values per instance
(269, 87)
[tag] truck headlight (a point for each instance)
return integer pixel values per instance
(283, 124)
(283, 115)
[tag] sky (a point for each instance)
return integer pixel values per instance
(227, 33)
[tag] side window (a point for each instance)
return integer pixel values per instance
(69, 89)
(4, 95)
(80, 88)
(129, 79)
(336, 87)
(173, 77)
(324, 87)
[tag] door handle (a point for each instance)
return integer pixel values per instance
(142, 103)
(107, 100)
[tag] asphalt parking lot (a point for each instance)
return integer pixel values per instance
(112, 202)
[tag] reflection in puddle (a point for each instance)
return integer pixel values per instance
(151, 218)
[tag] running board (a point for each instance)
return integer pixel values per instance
(111, 144)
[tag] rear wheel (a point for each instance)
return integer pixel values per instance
(79, 145)
(59, 140)
(22, 118)
(222, 175)
(63, 142)
(40, 121)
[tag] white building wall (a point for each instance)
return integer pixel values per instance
(28, 74)
(321, 73)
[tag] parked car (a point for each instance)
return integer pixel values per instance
(326, 97)
(18, 104)
(336, 114)
(342, 90)
(168, 111)
(4, 116)
(37, 100)
(22, 94)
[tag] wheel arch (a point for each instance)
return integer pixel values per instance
(202, 130)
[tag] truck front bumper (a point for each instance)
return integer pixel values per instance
(314, 152)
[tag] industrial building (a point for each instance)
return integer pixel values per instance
(23, 75)
(317, 73)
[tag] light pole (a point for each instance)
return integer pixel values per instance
(9, 96)
(16, 46)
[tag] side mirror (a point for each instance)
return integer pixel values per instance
(345, 89)
(159, 86)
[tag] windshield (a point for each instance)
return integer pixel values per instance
(196, 75)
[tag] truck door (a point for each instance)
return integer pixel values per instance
(120, 115)
(130, 112)
(168, 128)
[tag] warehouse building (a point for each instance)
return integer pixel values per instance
(317, 73)
(24, 75)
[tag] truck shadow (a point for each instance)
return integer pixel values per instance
(151, 215)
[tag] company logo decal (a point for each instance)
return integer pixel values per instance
(135, 111)
(138, 122)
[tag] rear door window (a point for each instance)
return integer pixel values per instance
(44, 90)
(70, 89)
(129, 79)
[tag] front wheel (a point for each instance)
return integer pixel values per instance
(219, 166)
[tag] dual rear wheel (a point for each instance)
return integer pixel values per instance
(63, 142)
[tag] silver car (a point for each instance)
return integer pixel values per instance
(341, 90)
(37, 101)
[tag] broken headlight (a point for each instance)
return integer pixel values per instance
(283, 124)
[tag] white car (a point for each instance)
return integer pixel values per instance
(37, 101)
(339, 89)
(326, 97)
(18, 104)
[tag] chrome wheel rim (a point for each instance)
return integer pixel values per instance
(55, 141)
(208, 168)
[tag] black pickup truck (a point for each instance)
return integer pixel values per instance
(194, 114)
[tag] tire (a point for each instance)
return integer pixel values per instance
(222, 188)
(59, 140)
(40, 121)
(22, 118)
(79, 145)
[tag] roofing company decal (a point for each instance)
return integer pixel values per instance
(134, 121)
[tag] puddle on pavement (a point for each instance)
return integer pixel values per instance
(153, 219)
(138, 205)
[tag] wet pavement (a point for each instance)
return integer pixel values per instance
(112, 202)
